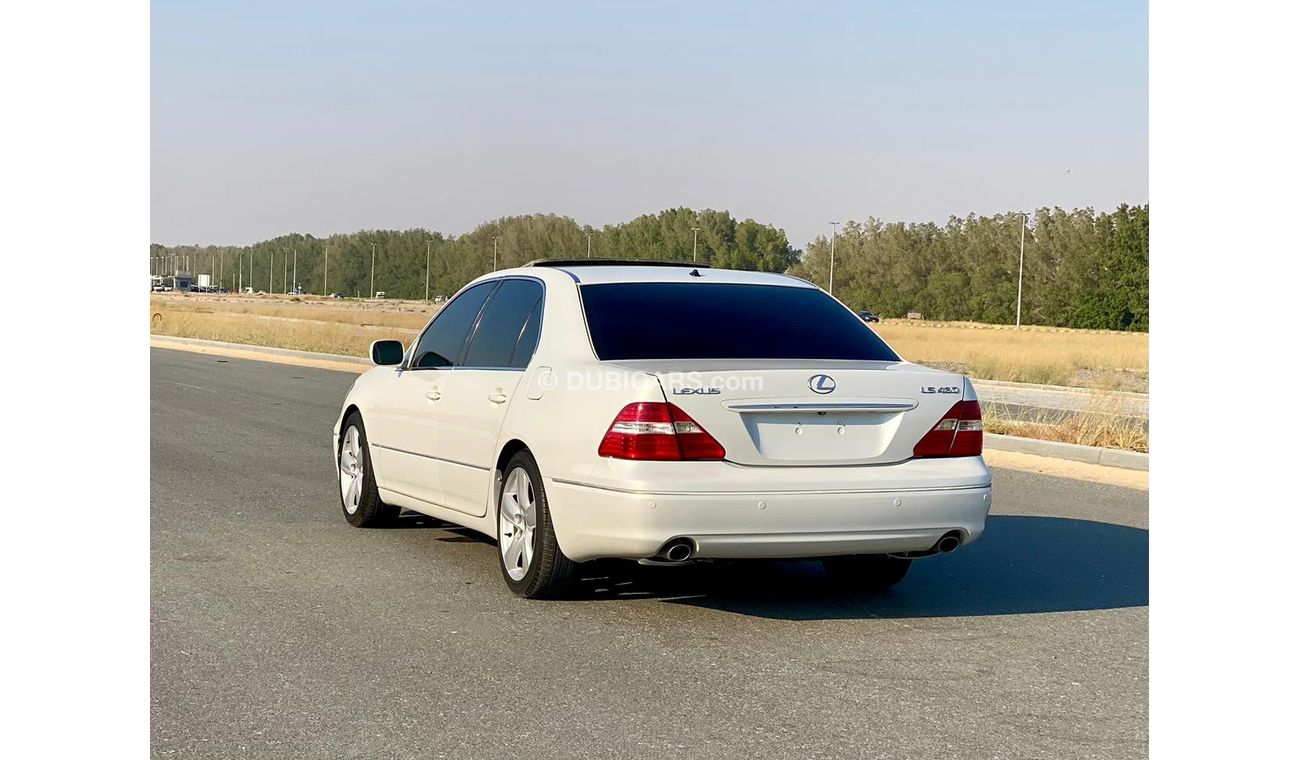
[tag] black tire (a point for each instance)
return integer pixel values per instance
(867, 572)
(551, 575)
(371, 512)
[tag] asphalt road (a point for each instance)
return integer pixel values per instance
(280, 631)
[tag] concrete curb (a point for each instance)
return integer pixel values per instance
(1129, 460)
(263, 349)
(1058, 389)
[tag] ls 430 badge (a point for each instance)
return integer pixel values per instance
(940, 389)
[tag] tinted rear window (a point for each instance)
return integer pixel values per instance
(502, 323)
(724, 321)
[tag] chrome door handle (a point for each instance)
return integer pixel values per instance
(433, 395)
(497, 397)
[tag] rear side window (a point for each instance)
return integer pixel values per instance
(441, 344)
(528, 338)
(503, 323)
(699, 320)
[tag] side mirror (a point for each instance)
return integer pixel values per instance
(386, 352)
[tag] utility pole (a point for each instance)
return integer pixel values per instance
(326, 290)
(372, 270)
(1020, 286)
(695, 242)
(428, 257)
(588, 245)
(494, 254)
(835, 228)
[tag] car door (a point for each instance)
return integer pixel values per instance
(407, 437)
(477, 393)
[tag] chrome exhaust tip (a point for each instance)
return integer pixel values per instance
(948, 544)
(676, 550)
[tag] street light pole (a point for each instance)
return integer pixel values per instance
(835, 228)
(326, 290)
(372, 270)
(1020, 286)
(695, 241)
(428, 256)
(270, 274)
(588, 245)
(295, 269)
(494, 254)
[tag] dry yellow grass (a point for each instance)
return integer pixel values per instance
(330, 337)
(1055, 356)
(1101, 424)
(408, 314)
(1044, 355)
(1087, 358)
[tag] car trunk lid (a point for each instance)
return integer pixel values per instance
(801, 413)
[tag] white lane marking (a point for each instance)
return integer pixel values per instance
(195, 387)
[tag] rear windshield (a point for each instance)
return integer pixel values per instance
(669, 320)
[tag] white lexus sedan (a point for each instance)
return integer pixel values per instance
(584, 409)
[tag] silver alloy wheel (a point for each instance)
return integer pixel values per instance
(517, 523)
(352, 473)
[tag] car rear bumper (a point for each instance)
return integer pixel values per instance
(594, 521)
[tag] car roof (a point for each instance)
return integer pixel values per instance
(610, 272)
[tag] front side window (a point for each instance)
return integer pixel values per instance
(701, 320)
(503, 323)
(442, 343)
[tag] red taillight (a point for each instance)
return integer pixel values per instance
(657, 430)
(959, 434)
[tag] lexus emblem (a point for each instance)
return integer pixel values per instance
(821, 383)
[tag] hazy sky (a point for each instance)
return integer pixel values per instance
(322, 117)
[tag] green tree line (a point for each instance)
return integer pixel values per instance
(1082, 268)
(400, 257)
